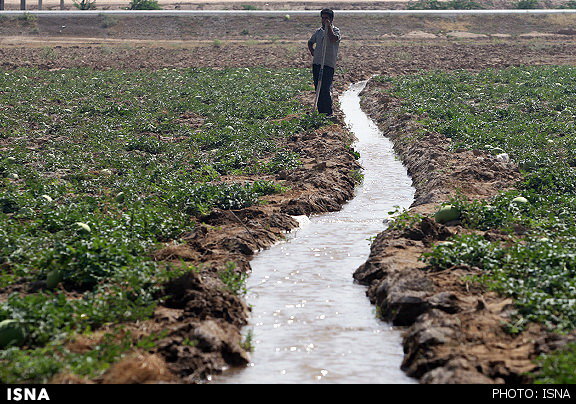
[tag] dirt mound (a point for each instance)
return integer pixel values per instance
(455, 332)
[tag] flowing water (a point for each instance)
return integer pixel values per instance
(310, 322)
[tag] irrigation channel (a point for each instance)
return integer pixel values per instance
(310, 322)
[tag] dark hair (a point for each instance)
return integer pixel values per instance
(328, 12)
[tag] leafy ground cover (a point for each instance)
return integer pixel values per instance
(528, 113)
(99, 167)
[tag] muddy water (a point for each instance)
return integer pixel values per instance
(310, 322)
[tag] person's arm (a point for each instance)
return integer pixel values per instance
(311, 43)
(332, 36)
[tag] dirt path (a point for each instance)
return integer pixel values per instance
(387, 45)
(358, 60)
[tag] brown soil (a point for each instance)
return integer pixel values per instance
(284, 27)
(457, 337)
(371, 44)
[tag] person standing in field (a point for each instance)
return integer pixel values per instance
(332, 34)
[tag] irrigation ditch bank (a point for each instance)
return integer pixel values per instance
(455, 330)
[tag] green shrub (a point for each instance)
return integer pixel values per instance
(444, 5)
(85, 4)
(570, 4)
(144, 5)
(527, 4)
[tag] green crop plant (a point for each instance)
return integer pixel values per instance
(538, 273)
(234, 280)
(248, 342)
(557, 367)
(39, 365)
(526, 112)
(357, 175)
(402, 219)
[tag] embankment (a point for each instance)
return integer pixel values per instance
(454, 330)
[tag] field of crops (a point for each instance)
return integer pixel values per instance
(100, 168)
(529, 114)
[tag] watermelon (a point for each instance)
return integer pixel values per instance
(11, 333)
(446, 214)
(504, 157)
(520, 200)
(82, 227)
(120, 197)
(53, 279)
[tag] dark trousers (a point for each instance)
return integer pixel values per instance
(324, 99)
